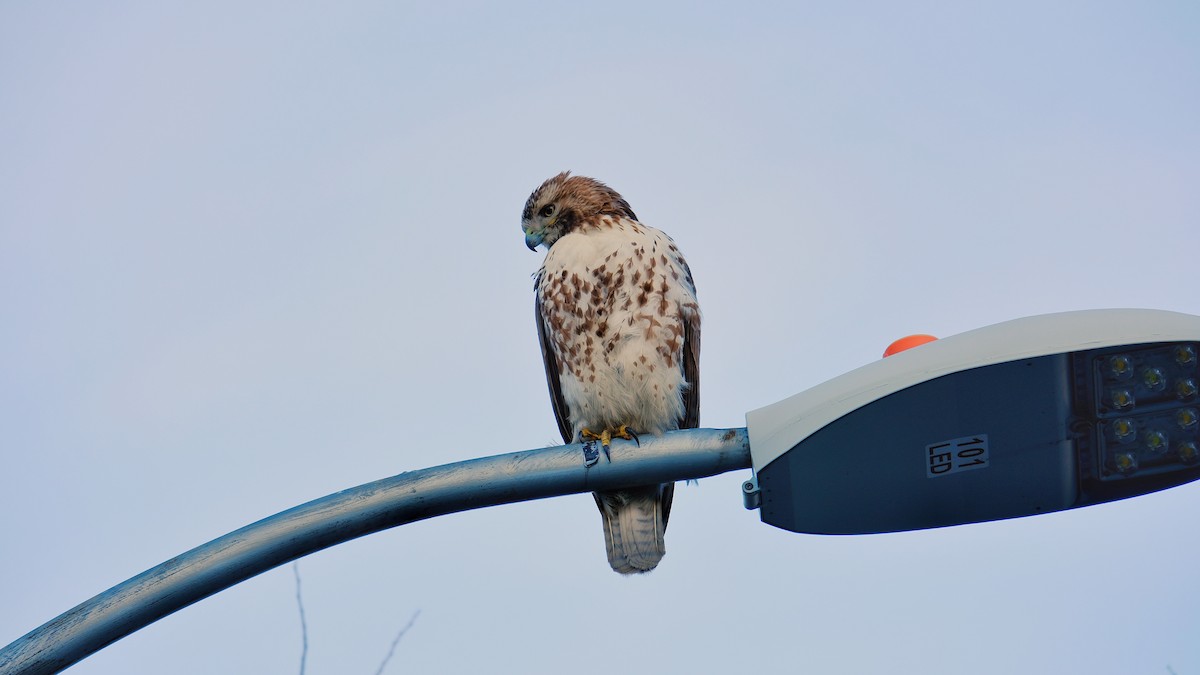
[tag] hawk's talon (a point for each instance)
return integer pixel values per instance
(628, 434)
(605, 437)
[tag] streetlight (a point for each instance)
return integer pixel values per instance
(1030, 416)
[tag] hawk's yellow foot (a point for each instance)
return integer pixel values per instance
(605, 437)
(628, 434)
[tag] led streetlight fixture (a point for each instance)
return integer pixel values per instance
(1030, 416)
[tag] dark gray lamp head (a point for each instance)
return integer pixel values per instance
(1030, 416)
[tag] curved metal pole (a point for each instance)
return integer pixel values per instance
(369, 508)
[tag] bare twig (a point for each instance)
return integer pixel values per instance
(397, 641)
(303, 623)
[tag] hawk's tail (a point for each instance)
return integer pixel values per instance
(635, 521)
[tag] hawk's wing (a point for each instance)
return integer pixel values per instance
(691, 360)
(691, 372)
(562, 413)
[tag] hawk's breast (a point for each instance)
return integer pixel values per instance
(614, 298)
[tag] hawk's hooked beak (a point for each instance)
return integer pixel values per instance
(533, 238)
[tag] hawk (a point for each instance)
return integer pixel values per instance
(619, 328)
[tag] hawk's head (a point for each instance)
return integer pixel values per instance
(563, 203)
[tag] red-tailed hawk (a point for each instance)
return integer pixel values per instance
(620, 333)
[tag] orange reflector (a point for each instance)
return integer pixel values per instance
(907, 343)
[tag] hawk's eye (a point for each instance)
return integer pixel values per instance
(547, 211)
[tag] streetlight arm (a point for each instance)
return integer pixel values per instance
(349, 514)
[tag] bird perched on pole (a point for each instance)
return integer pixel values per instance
(619, 327)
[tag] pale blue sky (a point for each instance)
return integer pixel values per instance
(251, 254)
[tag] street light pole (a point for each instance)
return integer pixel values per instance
(349, 514)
